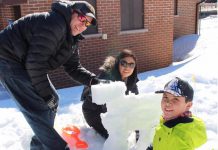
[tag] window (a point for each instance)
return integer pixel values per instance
(92, 29)
(132, 14)
(175, 7)
(17, 12)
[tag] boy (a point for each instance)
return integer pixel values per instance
(178, 129)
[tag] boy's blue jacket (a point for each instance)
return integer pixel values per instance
(183, 133)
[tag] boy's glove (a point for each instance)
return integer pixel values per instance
(102, 108)
(149, 147)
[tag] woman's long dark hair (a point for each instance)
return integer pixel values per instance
(133, 77)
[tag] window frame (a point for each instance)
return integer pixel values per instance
(175, 7)
(130, 15)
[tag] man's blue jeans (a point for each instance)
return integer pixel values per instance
(40, 117)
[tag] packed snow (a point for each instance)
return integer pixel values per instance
(195, 61)
(126, 114)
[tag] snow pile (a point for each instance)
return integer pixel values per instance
(201, 72)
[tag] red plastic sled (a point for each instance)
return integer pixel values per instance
(71, 135)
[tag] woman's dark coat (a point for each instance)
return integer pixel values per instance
(91, 111)
(108, 72)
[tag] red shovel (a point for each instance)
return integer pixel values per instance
(71, 135)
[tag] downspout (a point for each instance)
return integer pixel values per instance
(197, 16)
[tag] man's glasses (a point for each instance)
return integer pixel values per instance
(125, 64)
(83, 19)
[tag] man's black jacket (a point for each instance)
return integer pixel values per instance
(41, 42)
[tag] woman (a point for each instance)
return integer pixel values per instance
(122, 68)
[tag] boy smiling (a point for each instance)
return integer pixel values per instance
(178, 129)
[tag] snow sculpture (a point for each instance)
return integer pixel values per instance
(127, 113)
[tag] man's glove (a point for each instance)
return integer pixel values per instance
(52, 102)
(102, 108)
(104, 81)
(94, 81)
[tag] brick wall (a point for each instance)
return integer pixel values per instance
(6, 12)
(152, 46)
(184, 22)
(35, 6)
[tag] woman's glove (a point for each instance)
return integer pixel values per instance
(102, 108)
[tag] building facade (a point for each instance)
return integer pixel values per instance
(147, 27)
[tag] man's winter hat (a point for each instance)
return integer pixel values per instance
(86, 9)
(178, 87)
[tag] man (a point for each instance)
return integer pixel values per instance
(32, 46)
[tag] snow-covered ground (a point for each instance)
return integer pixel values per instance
(198, 67)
